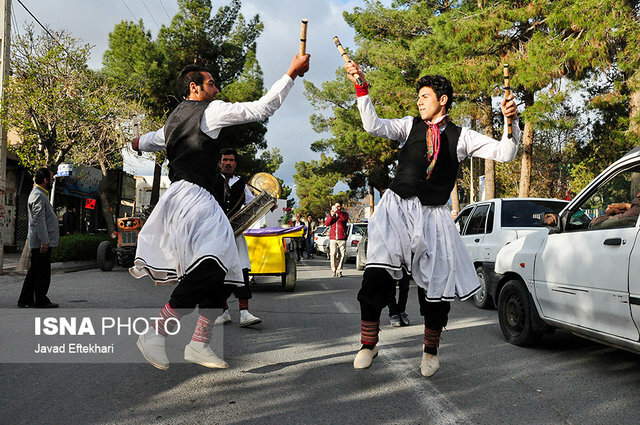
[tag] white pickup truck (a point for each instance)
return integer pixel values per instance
(583, 274)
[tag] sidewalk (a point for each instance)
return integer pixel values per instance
(11, 261)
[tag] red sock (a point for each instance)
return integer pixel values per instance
(161, 325)
(369, 332)
(431, 340)
(203, 330)
(243, 304)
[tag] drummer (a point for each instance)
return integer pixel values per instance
(232, 193)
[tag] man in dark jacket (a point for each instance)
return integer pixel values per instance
(337, 219)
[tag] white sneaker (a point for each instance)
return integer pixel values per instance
(430, 364)
(223, 318)
(152, 348)
(248, 319)
(202, 354)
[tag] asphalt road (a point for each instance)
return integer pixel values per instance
(296, 368)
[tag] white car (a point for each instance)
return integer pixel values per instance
(489, 225)
(583, 274)
(355, 233)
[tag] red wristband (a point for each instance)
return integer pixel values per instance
(362, 90)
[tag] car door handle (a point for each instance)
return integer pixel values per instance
(477, 240)
(613, 241)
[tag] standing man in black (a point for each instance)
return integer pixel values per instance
(232, 193)
(188, 239)
(42, 236)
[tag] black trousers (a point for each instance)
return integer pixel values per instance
(203, 287)
(36, 283)
(397, 307)
(240, 292)
(377, 289)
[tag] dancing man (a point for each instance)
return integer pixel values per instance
(411, 229)
(188, 239)
(232, 193)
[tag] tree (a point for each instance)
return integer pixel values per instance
(314, 186)
(62, 110)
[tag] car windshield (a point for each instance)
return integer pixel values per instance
(527, 212)
(360, 229)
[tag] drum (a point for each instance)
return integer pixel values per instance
(251, 212)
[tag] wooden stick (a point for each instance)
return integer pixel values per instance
(336, 40)
(507, 93)
(303, 38)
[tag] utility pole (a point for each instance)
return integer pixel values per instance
(5, 50)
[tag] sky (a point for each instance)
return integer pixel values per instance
(289, 129)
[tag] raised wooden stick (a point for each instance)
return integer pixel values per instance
(507, 93)
(303, 38)
(346, 58)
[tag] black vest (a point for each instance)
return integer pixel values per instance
(192, 154)
(236, 195)
(411, 175)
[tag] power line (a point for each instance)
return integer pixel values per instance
(40, 23)
(15, 21)
(152, 18)
(125, 5)
(165, 10)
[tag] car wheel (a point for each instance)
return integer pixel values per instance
(290, 274)
(105, 256)
(515, 314)
(482, 299)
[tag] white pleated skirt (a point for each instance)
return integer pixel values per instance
(186, 227)
(243, 252)
(423, 240)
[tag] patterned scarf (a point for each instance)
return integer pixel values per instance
(433, 141)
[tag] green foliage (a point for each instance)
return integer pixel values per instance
(314, 186)
(77, 247)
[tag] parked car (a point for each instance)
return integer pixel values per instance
(319, 230)
(322, 242)
(581, 275)
(489, 225)
(355, 232)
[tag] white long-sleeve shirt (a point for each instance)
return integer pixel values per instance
(470, 144)
(220, 114)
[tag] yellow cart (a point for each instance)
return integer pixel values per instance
(269, 256)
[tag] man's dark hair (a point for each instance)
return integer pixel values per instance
(41, 175)
(228, 151)
(189, 74)
(440, 85)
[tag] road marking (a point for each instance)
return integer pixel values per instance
(342, 308)
(435, 405)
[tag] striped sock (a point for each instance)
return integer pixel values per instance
(431, 340)
(161, 325)
(369, 332)
(243, 304)
(226, 306)
(203, 330)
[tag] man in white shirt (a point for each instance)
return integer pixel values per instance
(188, 239)
(411, 230)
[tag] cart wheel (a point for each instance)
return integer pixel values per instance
(289, 276)
(106, 257)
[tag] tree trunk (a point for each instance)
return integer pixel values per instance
(23, 263)
(104, 201)
(155, 188)
(371, 202)
(455, 201)
(527, 152)
(634, 103)
(486, 121)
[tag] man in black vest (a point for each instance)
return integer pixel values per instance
(411, 230)
(188, 239)
(232, 193)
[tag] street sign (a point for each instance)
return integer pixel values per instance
(64, 170)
